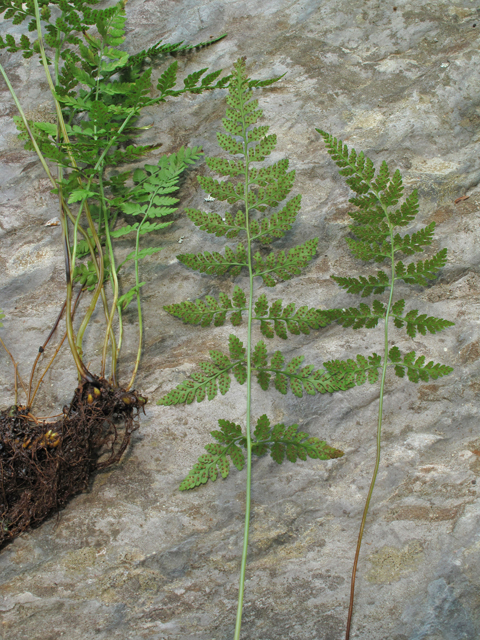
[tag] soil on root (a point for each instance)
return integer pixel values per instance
(43, 464)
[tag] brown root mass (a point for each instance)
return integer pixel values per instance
(43, 464)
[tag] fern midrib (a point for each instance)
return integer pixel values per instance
(238, 622)
(380, 414)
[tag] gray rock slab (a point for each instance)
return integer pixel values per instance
(134, 559)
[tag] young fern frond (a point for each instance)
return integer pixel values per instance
(375, 222)
(253, 190)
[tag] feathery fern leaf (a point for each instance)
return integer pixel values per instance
(203, 312)
(364, 285)
(416, 368)
(280, 441)
(356, 318)
(284, 265)
(215, 263)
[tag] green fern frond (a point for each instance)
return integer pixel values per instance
(421, 323)
(410, 245)
(364, 285)
(213, 223)
(215, 263)
(203, 312)
(276, 225)
(300, 380)
(420, 272)
(356, 318)
(376, 240)
(407, 212)
(278, 321)
(354, 372)
(215, 461)
(280, 441)
(284, 265)
(416, 368)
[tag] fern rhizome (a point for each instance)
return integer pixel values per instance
(254, 191)
(376, 222)
(98, 92)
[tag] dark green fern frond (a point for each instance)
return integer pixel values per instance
(215, 263)
(416, 368)
(354, 372)
(212, 222)
(277, 320)
(278, 440)
(203, 312)
(356, 318)
(364, 285)
(415, 322)
(420, 272)
(299, 379)
(284, 265)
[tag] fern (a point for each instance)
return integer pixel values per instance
(273, 319)
(279, 441)
(99, 91)
(375, 223)
(254, 191)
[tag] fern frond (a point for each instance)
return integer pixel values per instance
(364, 285)
(277, 320)
(371, 232)
(419, 272)
(225, 167)
(367, 251)
(273, 190)
(421, 323)
(136, 61)
(222, 191)
(282, 441)
(304, 379)
(203, 312)
(215, 375)
(284, 265)
(213, 223)
(276, 225)
(414, 243)
(204, 383)
(354, 372)
(216, 263)
(407, 212)
(416, 368)
(355, 318)
(215, 461)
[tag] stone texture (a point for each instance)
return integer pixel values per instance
(133, 558)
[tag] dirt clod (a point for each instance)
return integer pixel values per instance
(43, 464)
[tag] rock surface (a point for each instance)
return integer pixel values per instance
(133, 558)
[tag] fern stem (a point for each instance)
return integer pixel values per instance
(248, 489)
(379, 423)
(139, 304)
(31, 400)
(27, 127)
(17, 375)
(40, 351)
(113, 273)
